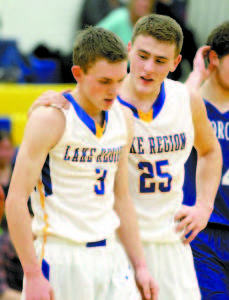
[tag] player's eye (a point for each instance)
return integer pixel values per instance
(142, 56)
(103, 82)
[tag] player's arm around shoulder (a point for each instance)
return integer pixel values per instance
(44, 129)
(50, 98)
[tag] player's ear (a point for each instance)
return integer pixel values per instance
(76, 72)
(213, 58)
(176, 62)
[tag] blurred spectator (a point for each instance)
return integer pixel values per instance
(177, 7)
(122, 20)
(7, 153)
(11, 272)
(94, 11)
(14, 67)
(2, 205)
(7, 159)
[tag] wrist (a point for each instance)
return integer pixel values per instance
(32, 270)
(196, 79)
(139, 264)
(208, 206)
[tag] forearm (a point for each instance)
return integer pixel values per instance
(128, 233)
(208, 176)
(19, 223)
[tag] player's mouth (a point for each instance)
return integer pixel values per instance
(146, 80)
(109, 100)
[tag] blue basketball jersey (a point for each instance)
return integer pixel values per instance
(220, 123)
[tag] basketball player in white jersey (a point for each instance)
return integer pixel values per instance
(168, 121)
(77, 160)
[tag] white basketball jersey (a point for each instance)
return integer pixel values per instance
(75, 194)
(162, 142)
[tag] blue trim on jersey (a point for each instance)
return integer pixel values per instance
(157, 106)
(45, 267)
(133, 108)
(220, 123)
(211, 109)
(84, 117)
(46, 177)
(101, 243)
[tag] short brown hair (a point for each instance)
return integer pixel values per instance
(162, 28)
(218, 39)
(94, 43)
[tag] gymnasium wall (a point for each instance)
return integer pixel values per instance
(54, 23)
(15, 101)
(45, 21)
(204, 15)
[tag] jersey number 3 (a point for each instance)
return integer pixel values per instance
(149, 173)
(100, 187)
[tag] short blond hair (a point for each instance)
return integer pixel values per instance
(94, 43)
(162, 28)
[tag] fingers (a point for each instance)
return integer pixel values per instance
(154, 291)
(204, 50)
(183, 223)
(191, 237)
(181, 213)
(52, 297)
(187, 231)
(146, 291)
(66, 91)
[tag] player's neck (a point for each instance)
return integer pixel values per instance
(130, 94)
(216, 94)
(94, 112)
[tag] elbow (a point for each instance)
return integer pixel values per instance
(8, 206)
(12, 206)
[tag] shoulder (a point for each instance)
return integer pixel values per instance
(178, 93)
(45, 124)
(47, 114)
(175, 86)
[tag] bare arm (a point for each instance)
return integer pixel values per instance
(129, 231)
(209, 167)
(44, 129)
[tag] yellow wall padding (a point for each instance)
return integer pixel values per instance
(16, 99)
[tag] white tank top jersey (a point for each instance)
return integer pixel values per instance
(163, 139)
(74, 196)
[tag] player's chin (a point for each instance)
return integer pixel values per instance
(108, 104)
